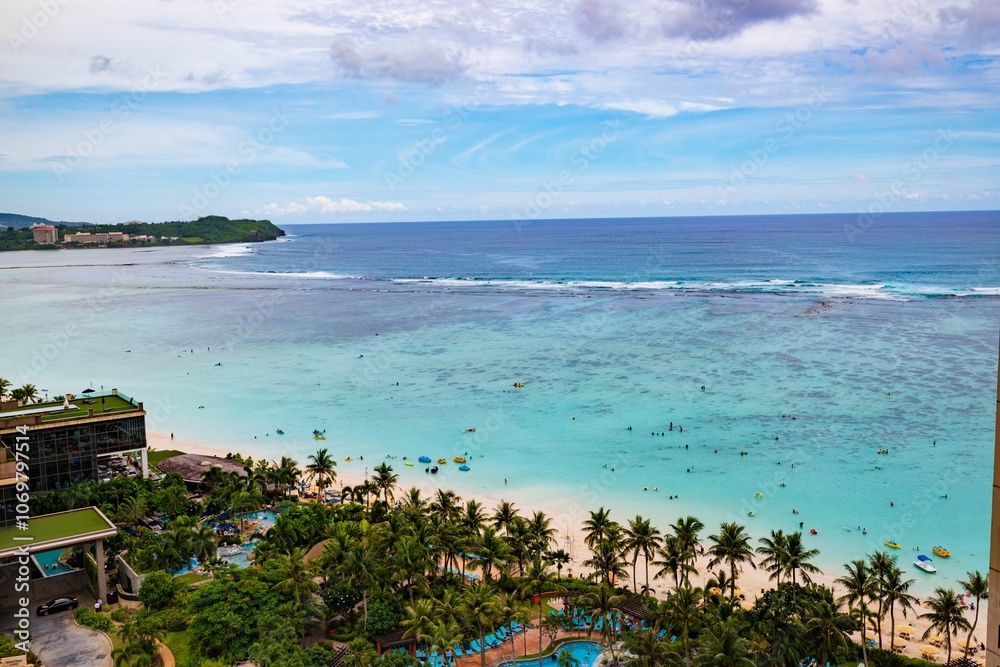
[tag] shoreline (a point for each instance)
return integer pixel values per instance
(752, 581)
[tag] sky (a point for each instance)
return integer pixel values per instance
(391, 110)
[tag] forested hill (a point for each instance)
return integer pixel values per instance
(209, 229)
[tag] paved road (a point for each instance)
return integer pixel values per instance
(60, 642)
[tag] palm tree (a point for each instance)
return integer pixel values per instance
(860, 585)
(648, 650)
(473, 517)
(29, 393)
(444, 637)
(641, 538)
(978, 586)
(245, 502)
(607, 562)
(360, 653)
(540, 526)
(385, 480)
(881, 563)
(602, 603)
(559, 558)
(479, 608)
(598, 527)
(134, 511)
(895, 592)
(504, 515)
(537, 580)
(4, 386)
(682, 610)
(419, 622)
(773, 550)
(731, 546)
(492, 552)
(321, 468)
(826, 627)
(511, 610)
(214, 478)
(673, 561)
(297, 578)
(722, 646)
(203, 542)
(945, 616)
(796, 557)
(686, 530)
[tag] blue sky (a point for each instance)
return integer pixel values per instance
(327, 111)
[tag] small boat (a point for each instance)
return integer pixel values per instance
(319, 437)
(409, 463)
(279, 432)
(942, 552)
(812, 531)
(925, 564)
(892, 544)
(519, 384)
(464, 468)
(348, 458)
(471, 430)
(442, 461)
(424, 459)
(459, 459)
(758, 495)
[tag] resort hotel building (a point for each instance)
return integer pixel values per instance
(52, 445)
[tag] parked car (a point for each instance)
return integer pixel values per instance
(59, 604)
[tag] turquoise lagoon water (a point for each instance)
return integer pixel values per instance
(586, 652)
(815, 348)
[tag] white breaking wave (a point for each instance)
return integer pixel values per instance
(227, 251)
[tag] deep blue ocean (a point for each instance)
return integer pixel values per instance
(808, 342)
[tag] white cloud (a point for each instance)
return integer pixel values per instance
(324, 204)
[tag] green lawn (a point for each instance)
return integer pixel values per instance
(185, 652)
(110, 404)
(55, 526)
(155, 456)
(192, 577)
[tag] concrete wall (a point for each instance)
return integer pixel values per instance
(63, 584)
(127, 577)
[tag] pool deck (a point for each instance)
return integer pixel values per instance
(501, 654)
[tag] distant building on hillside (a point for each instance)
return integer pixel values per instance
(81, 438)
(87, 238)
(143, 238)
(45, 234)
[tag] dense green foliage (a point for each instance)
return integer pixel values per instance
(158, 591)
(9, 650)
(92, 619)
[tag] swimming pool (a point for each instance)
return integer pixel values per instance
(267, 519)
(51, 559)
(241, 559)
(586, 652)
